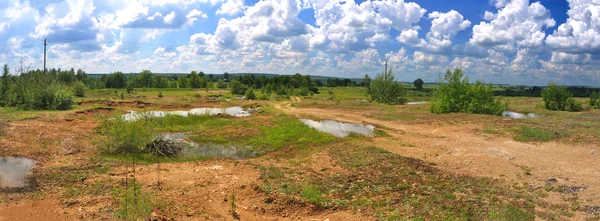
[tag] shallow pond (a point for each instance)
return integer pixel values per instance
(232, 111)
(340, 129)
(418, 102)
(14, 171)
(196, 150)
(516, 115)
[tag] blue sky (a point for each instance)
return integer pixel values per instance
(499, 41)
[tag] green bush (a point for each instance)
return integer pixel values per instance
(79, 89)
(384, 89)
(573, 105)
(456, 95)
(595, 100)
(264, 97)
(250, 94)
(63, 100)
(237, 87)
(558, 98)
(304, 92)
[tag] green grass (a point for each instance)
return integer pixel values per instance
(312, 194)
(285, 131)
(135, 204)
(529, 134)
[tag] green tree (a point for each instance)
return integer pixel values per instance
(595, 100)
(4, 85)
(145, 79)
(237, 87)
(194, 80)
(384, 89)
(419, 84)
(81, 75)
(182, 82)
(226, 77)
(367, 83)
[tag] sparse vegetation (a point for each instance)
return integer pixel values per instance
(128, 137)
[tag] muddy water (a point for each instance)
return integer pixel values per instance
(232, 111)
(516, 115)
(340, 129)
(14, 171)
(196, 150)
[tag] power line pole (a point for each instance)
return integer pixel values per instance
(385, 67)
(45, 55)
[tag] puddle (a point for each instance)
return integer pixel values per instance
(14, 171)
(340, 129)
(232, 111)
(516, 115)
(418, 102)
(196, 150)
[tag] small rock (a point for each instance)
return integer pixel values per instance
(552, 180)
(593, 152)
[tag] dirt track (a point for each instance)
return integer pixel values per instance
(462, 150)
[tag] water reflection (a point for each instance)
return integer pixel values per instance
(232, 111)
(340, 129)
(516, 115)
(14, 171)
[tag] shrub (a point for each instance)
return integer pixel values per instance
(456, 94)
(304, 92)
(384, 89)
(129, 88)
(237, 87)
(63, 100)
(221, 85)
(250, 94)
(264, 97)
(160, 95)
(79, 89)
(573, 105)
(595, 100)
(556, 98)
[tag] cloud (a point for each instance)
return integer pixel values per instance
(444, 27)
(581, 32)
(231, 8)
(517, 22)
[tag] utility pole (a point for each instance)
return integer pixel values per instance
(385, 67)
(45, 55)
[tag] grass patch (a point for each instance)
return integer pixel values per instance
(488, 130)
(135, 204)
(529, 134)
(285, 131)
(312, 194)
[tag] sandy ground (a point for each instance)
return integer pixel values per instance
(460, 149)
(208, 185)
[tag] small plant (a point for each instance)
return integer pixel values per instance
(250, 94)
(129, 88)
(312, 194)
(122, 96)
(234, 212)
(160, 95)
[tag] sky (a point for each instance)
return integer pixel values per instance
(499, 41)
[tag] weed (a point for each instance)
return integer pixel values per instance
(528, 134)
(134, 204)
(312, 194)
